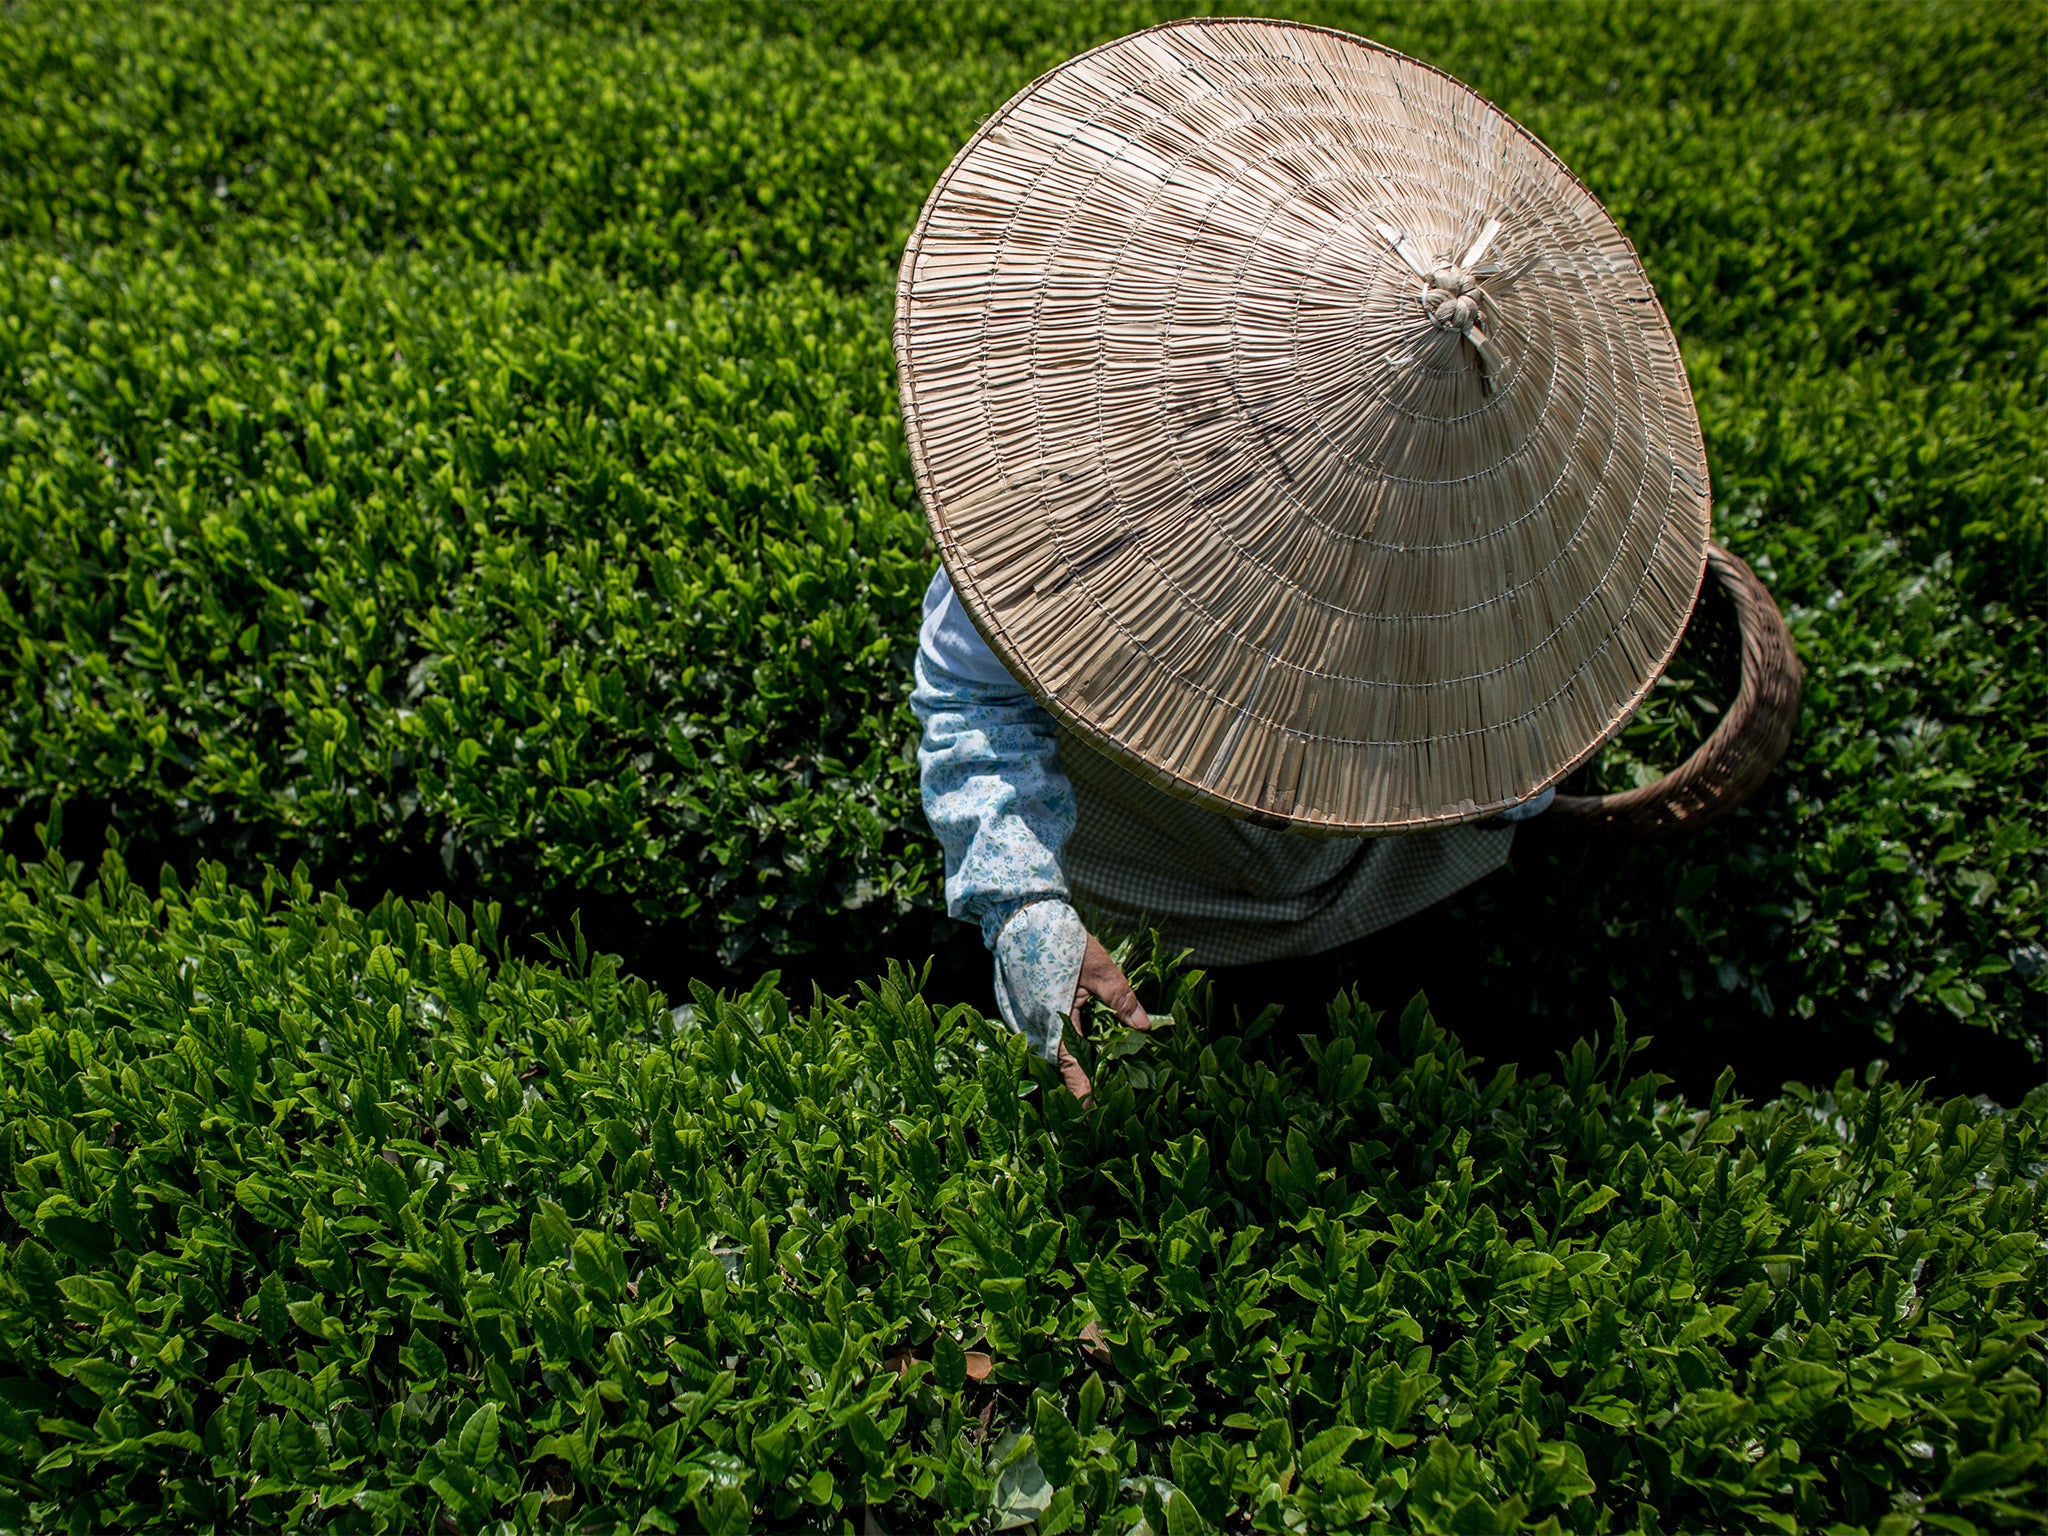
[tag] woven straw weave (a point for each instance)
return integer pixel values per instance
(1298, 429)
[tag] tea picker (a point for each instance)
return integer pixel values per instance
(1316, 484)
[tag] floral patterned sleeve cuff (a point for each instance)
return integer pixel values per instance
(1038, 966)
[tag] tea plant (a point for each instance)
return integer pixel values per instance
(324, 1217)
(496, 569)
(456, 443)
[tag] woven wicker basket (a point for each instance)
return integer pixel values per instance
(1731, 764)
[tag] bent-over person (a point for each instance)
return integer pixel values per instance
(1315, 482)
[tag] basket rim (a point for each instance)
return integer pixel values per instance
(1752, 737)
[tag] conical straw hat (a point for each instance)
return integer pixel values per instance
(1298, 429)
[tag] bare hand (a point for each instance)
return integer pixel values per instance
(1103, 981)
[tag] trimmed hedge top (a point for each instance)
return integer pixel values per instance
(318, 1216)
(573, 585)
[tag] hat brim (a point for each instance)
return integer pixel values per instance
(1216, 484)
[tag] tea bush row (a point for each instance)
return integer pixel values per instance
(665, 152)
(739, 144)
(320, 338)
(320, 1215)
(574, 584)
(317, 1216)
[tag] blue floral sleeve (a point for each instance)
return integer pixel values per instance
(999, 801)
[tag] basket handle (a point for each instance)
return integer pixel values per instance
(1749, 742)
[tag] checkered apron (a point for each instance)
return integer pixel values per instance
(1236, 893)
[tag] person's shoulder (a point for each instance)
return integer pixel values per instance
(948, 640)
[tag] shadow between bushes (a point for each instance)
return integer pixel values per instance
(1493, 961)
(1476, 958)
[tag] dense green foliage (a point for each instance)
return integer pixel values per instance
(322, 1217)
(486, 571)
(457, 443)
(436, 431)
